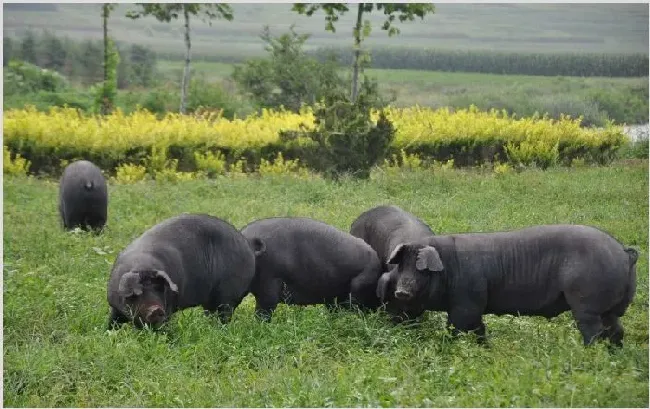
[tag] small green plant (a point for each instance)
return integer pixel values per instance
(157, 161)
(212, 164)
(447, 165)
(280, 166)
(578, 163)
(16, 166)
(503, 168)
(237, 168)
(404, 160)
(171, 174)
(129, 173)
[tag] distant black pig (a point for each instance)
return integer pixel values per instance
(384, 228)
(541, 270)
(182, 262)
(303, 261)
(83, 196)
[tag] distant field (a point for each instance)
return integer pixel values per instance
(436, 89)
(606, 28)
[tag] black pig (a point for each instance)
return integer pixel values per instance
(182, 262)
(83, 196)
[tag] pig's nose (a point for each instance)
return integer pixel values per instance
(403, 295)
(155, 315)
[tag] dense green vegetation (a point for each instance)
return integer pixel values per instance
(495, 62)
(58, 353)
(624, 100)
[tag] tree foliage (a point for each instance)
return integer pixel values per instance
(401, 11)
(166, 12)
(287, 77)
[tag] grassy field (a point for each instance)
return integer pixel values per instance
(437, 89)
(506, 27)
(58, 353)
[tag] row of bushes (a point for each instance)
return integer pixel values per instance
(490, 62)
(468, 136)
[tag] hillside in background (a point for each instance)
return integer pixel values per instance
(606, 28)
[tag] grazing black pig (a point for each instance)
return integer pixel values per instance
(541, 270)
(384, 228)
(182, 262)
(302, 261)
(83, 196)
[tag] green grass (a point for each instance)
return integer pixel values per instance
(57, 352)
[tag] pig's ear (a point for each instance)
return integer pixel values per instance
(396, 254)
(382, 286)
(172, 285)
(428, 259)
(257, 245)
(130, 285)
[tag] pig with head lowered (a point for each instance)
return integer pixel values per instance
(302, 261)
(384, 228)
(540, 271)
(83, 196)
(182, 262)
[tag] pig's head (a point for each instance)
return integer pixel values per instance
(147, 295)
(418, 270)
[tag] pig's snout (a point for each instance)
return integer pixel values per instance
(402, 294)
(155, 315)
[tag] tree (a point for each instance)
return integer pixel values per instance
(53, 53)
(142, 64)
(91, 63)
(28, 47)
(402, 11)
(287, 77)
(166, 12)
(8, 50)
(111, 60)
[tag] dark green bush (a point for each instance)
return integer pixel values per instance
(345, 140)
(23, 77)
(287, 77)
(629, 105)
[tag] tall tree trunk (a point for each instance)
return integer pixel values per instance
(186, 70)
(105, 12)
(357, 54)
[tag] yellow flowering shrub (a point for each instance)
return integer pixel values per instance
(403, 160)
(281, 166)
(17, 166)
(210, 163)
(128, 173)
(467, 136)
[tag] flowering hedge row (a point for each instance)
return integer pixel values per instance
(468, 136)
